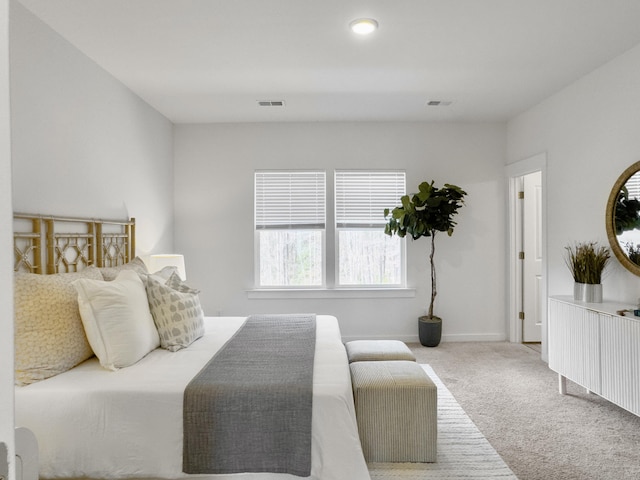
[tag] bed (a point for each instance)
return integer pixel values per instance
(92, 422)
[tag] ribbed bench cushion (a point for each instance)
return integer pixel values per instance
(396, 410)
(378, 350)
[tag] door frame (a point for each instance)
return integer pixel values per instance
(514, 231)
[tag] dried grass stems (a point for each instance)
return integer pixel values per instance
(587, 261)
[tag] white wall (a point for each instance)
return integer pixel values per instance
(6, 242)
(214, 167)
(83, 144)
(590, 132)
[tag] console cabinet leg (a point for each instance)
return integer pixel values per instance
(562, 385)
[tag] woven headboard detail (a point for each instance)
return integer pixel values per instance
(47, 244)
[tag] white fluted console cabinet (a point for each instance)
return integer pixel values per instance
(593, 346)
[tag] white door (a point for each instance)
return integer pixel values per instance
(532, 265)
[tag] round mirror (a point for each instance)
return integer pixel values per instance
(623, 218)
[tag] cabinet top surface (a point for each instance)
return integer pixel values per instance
(610, 308)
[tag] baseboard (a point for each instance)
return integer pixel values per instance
(475, 337)
(463, 337)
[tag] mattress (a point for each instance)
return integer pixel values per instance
(95, 423)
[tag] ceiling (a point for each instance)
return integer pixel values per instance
(214, 60)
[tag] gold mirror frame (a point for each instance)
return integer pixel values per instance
(611, 228)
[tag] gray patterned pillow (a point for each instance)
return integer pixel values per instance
(161, 276)
(178, 315)
(174, 281)
(49, 336)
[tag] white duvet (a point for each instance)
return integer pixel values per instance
(96, 423)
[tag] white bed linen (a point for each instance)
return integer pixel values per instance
(96, 423)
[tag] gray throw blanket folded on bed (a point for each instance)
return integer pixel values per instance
(249, 408)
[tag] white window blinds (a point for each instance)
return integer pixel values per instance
(290, 200)
(633, 186)
(362, 196)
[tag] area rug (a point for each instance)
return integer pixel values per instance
(463, 452)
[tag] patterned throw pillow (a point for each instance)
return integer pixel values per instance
(174, 281)
(49, 336)
(110, 273)
(161, 275)
(177, 314)
(164, 274)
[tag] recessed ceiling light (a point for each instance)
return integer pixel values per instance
(363, 26)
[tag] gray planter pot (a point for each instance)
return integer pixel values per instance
(587, 292)
(430, 331)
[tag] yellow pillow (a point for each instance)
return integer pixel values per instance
(49, 335)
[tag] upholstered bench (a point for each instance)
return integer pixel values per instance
(396, 411)
(378, 350)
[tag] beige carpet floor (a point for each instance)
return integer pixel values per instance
(512, 397)
(463, 452)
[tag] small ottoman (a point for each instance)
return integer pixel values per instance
(378, 350)
(396, 411)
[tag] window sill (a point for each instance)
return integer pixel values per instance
(267, 293)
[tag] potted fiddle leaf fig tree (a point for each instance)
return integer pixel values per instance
(424, 214)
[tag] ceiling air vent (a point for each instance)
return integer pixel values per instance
(271, 103)
(439, 103)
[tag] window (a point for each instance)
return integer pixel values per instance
(290, 228)
(365, 255)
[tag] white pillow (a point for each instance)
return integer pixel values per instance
(117, 319)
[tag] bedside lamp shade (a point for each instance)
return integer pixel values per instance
(158, 262)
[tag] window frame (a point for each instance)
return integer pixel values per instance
(337, 230)
(330, 278)
(257, 230)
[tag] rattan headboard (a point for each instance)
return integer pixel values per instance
(48, 244)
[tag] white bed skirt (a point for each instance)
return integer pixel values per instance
(95, 423)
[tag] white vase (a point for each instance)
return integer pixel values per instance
(587, 292)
